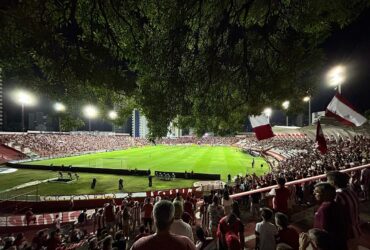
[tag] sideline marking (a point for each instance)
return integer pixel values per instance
(7, 170)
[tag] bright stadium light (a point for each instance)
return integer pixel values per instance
(112, 115)
(90, 112)
(267, 112)
(24, 98)
(308, 99)
(286, 106)
(59, 107)
(336, 76)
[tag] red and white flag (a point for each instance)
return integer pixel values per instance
(344, 112)
(320, 139)
(261, 127)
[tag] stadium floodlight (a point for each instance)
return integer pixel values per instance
(112, 115)
(24, 98)
(59, 107)
(336, 76)
(90, 112)
(308, 99)
(286, 106)
(267, 112)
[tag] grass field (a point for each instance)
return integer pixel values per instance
(200, 159)
(105, 183)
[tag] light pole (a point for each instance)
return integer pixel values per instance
(90, 112)
(59, 107)
(336, 76)
(308, 99)
(24, 99)
(286, 106)
(112, 115)
(267, 112)
(23, 126)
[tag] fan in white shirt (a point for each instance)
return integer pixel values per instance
(178, 226)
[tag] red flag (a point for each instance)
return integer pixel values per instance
(320, 139)
(261, 127)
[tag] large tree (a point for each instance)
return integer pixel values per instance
(205, 64)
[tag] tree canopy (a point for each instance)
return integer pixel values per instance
(205, 64)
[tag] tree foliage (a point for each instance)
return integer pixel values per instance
(367, 114)
(209, 64)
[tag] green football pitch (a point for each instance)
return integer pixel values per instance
(200, 159)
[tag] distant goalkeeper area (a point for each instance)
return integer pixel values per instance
(221, 160)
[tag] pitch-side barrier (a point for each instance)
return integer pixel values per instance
(46, 219)
(300, 181)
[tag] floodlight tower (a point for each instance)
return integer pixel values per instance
(308, 99)
(286, 106)
(90, 112)
(59, 107)
(267, 112)
(24, 98)
(112, 115)
(336, 76)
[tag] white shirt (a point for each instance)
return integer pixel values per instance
(179, 227)
(267, 232)
(227, 205)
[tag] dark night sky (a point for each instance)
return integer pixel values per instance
(349, 47)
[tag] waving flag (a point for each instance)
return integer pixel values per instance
(261, 127)
(344, 112)
(320, 139)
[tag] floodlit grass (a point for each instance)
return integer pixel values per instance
(105, 183)
(200, 159)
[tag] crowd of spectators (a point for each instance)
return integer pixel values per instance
(207, 140)
(221, 223)
(306, 161)
(45, 144)
(165, 223)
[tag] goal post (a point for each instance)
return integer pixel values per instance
(113, 163)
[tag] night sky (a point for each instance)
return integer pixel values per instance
(349, 47)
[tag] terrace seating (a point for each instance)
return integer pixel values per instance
(299, 159)
(47, 145)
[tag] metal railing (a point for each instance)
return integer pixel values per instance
(300, 181)
(47, 218)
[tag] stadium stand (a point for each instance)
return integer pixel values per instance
(118, 222)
